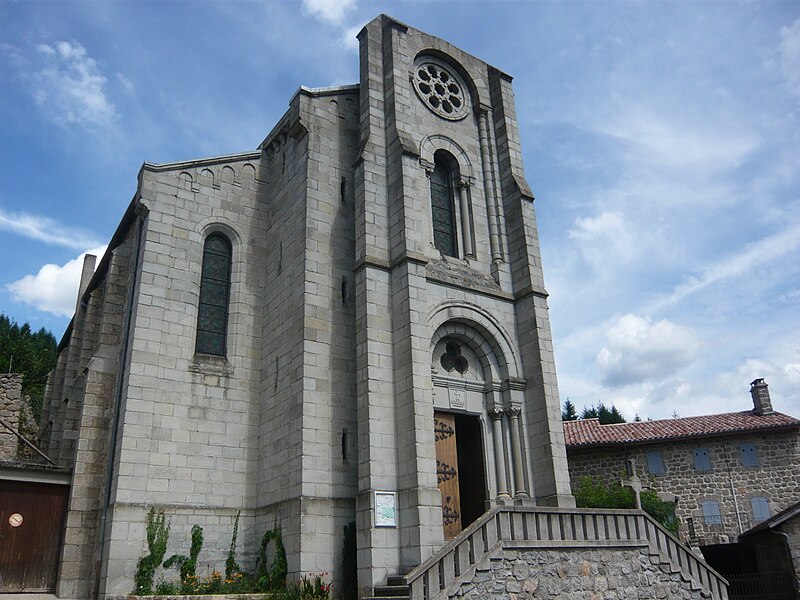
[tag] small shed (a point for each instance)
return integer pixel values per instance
(776, 545)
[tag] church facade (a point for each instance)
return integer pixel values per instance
(347, 324)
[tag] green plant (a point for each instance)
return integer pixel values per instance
(187, 564)
(310, 587)
(157, 536)
(599, 495)
(231, 566)
(272, 577)
(349, 589)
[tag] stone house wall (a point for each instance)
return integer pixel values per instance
(10, 397)
(777, 477)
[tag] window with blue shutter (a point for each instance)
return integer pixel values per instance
(760, 506)
(215, 287)
(749, 455)
(702, 459)
(655, 463)
(711, 514)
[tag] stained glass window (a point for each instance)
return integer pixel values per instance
(215, 285)
(442, 209)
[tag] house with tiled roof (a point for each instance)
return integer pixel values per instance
(725, 472)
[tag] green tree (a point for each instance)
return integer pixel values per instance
(600, 495)
(33, 354)
(607, 415)
(568, 411)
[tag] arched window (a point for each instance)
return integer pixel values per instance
(215, 287)
(443, 204)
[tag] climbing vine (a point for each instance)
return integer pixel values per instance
(187, 564)
(272, 577)
(157, 530)
(231, 566)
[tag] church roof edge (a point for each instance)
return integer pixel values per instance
(199, 162)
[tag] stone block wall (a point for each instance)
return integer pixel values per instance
(576, 574)
(777, 477)
(10, 397)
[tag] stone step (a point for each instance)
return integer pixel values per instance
(391, 591)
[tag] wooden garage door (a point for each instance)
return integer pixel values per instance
(31, 521)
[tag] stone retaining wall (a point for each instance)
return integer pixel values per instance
(10, 396)
(576, 574)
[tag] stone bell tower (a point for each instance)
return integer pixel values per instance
(457, 398)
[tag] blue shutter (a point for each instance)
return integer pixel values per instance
(702, 459)
(749, 455)
(760, 507)
(711, 514)
(655, 463)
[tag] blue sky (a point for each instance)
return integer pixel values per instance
(662, 141)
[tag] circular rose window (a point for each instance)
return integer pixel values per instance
(441, 89)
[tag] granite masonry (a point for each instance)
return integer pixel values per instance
(347, 324)
(577, 574)
(724, 472)
(10, 404)
(271, 332)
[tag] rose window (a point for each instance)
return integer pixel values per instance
(440, 89)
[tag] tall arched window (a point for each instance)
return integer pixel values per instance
(443, 204)
(215, 287)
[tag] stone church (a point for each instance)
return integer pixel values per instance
(347, 324)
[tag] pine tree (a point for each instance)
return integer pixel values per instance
(568, 411)
(33, 354)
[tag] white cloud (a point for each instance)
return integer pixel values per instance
(604, 237)
(332, 11)
(767, 250)
(790, 56)
(55, 287)
(639, 350)
(45, 230)
(672, 142)
(71, 87)
(349, 38)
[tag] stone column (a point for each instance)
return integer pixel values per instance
(499, 453)
(466, 229)
(516, 453)
(488, 183)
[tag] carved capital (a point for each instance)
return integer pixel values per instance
(496, 413)
(427, 165)
(514, 412)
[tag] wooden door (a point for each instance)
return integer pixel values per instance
(447, 472)
(31, 521)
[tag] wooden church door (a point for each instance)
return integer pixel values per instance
(447, 472)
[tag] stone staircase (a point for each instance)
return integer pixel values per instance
(396, 588)
(470, 556)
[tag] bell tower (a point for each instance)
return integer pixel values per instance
(452, 326)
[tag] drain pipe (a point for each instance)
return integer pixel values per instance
(117, 408)
(733, 494)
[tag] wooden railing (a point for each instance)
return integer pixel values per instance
(542, 527)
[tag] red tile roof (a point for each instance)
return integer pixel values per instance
(589, 432)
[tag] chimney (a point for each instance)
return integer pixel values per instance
(761, 402)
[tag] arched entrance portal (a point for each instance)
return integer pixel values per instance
(476, 424)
